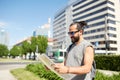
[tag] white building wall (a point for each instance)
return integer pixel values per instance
(69, 19)
(117, 18)
(59, 30)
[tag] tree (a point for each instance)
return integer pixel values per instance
(15, 51)
(42, 43)
(39, 42)
(3, 50)
(26, 48)
(34, 45)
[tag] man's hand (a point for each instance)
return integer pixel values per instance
(60, 68)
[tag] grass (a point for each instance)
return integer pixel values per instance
(22, 74)
(100, 76)
(26, 75)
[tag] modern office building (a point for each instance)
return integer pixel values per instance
(102, 17)
(4, 39)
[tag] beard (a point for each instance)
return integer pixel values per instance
(74, 39)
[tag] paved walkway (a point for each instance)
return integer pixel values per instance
(6, 75)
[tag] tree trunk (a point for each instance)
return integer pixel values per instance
(30, 57)
(34, 56)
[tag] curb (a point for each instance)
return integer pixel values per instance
(109, 73)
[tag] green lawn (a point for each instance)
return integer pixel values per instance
(101, 76)
(22, 74)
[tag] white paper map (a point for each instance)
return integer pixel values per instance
(48, 62)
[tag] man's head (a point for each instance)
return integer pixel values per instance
(76, 30)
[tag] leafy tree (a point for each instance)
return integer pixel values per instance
(39, 42)
(26, 48)
(15, 51)
(33, 45)
(42, 44)
(3, 50)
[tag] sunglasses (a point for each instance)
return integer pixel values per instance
(73, 32)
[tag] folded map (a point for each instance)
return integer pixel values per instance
(48, 62)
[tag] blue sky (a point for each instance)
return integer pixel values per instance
(21, 17)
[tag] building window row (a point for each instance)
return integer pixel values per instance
(56, 27)
(100, 36)
(94, 31)
(92, 13)
(84, 5)
(95, 18)
(100, 17)
(100, 23)
(59, 34)
(94, 37)
(59, 14)
(109, 2)
(111, 21)
(110, 49)
(95, 12)
(111, 28)
(59, 18)
(99, 30)
(59, 22)
(95, 25)
(112, 35)
(81, 1)
(109, 8)
(103, 42)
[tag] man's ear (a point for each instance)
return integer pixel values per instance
(81, 31)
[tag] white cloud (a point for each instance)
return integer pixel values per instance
(2, 24)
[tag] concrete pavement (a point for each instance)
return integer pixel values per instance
(5, 71)
(6, 75)
(109, 73)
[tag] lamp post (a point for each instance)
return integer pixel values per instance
(36, 48)
(106, 35)
(65, 42)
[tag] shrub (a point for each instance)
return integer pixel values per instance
(108, 62)
(40, 70)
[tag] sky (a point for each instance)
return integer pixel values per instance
(21, 17)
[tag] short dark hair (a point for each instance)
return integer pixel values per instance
(80, 25)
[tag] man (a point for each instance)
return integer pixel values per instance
(80, 58)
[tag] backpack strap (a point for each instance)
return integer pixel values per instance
(69, 48)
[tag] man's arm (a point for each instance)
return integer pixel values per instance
(88, 60)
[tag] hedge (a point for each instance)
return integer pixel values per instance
(109, 62)
(42, 72)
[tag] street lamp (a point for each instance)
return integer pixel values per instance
(106, 36)
(65, 42)
(36, 48)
